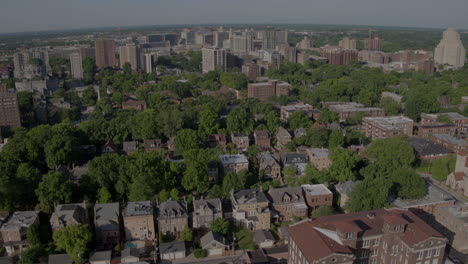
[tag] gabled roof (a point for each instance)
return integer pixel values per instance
(206, 240)
(282, 132)
(249, 196)
(171, 209)
(100, 256)
(107, 216)
(214, 204)
(261, 236)
(172, 247)
(295, 195)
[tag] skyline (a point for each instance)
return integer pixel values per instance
(98, 14)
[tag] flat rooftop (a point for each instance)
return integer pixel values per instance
(390, 122)
(138, 208)
(434, 195)
(233, 159)
(450, 139)
(315, 189)
(20, 219)
(318, 152)
(458, 211)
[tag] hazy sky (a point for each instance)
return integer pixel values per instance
(32, 15)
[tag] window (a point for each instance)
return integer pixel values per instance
(437, 252)
(428, 253)
(418, 255)
(376, 241)
(366, 243)
(349, 235)
(373, 261)
(364, 254)
(394, 251)
(374, 252)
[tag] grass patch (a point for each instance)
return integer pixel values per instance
(244, 239)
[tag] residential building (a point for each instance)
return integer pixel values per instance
(434, 199)
(378, 236)
(14, 231)
(264, 238)
(242, 44)
(373, 43)
(9, 108)
(105, 53)
(172, 218)
(100, 257)
(426, 131)
(289, 109)
(298, 161)
(234, 163)
(347, 110)
(305, 43)
(172, 250)
(262, 139)
(344, 189)
(69, 214)
(460, 121)
(319, 158)
(387, 126)
(252, 70)
(206, 211)
(130, 53)
(4, 215)
(217, 139)
(272, 37)
(152, 145)
(138, 219)
(338, 56)
(269, 166)
(288, 202)
(59, 259)
(454, 221)
(109, 148)
(76, 65)
(138, 105)
(241, 141)
(250, 209)
(31, 63)
(347, 43)
(282, 138)
(428, 150)
(317, 195)
(214, 244)
(263, 91)
(129, 147)
(450, 142)
(450, 52)
(107, 225)
(130, 255)
(214, 59)
(289, 53)
(256, 257)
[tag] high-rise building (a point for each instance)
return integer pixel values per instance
(220, 37)
(289, 53)
(272, 38)
(374, 43)
(87, 52)
(9, 109)
(31, 64)
(450, 52)
(148, 65)
(242, 44)
(339, 56)
(214, 59)
(305, 44)
(347, 43)
(130, 54)
(105, 53)
(76, 64)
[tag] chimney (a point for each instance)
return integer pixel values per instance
(371, 215)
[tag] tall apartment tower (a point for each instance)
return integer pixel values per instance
(450, 51)
(374, 43)
(242, 44)
(347, 43)
(148, 66)
(130, 54)
(9, 108)
(213, 59)
(30, 64)
(105, 53)
(76, 64)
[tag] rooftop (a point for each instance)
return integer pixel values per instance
(390, 122)
(233, 159)
(345, 187)
(318, 152)
(138, 208)
(249, 196)
(450, 139)
(434, 195)
(172, 247)
(315, 189)
(107, 216)
(20, 219)
(210, 237)
(424, 147)
(100, 256)
(263, 235)
(459, 211)
(293, 195)
(171, 209)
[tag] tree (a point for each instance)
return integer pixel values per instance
(104, 195)
(60, 149)
(442, 167)
(238, 121)
(89, 69)
(174, 194)
(143, 125)
(343, 165)
(328, 117)
(26, 181)
(220, 226)
(369, 194)
(199, 253)
(54, 188)
(32, 255)
(89, 96)
(323, 210)
(234, 80)
(390, 106)
(170, 121)
(233, 181)
(299, 120)
(186, 139)
(391, 153)
(196, 172)
(407, 184)
(336, 139)
(127, 68)
(74, 239)
(208, 122)
(272, 121)
(215, 192)
(33, 236)
(186, 234)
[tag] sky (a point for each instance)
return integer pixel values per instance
(38, 15)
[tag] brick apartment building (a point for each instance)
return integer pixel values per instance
(460, 121)
(262, 139)
(288, 202)
(379, 236)
(388, 126)
(138, 218)
(9, 108)
(450, 142)
(287, 110)
(234, 163)
(250, 209)
(347, 110)
(263, 91)
(426, 131)
(319, 157)
(317, 195)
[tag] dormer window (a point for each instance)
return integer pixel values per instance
(397, 228)
(349, 235)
